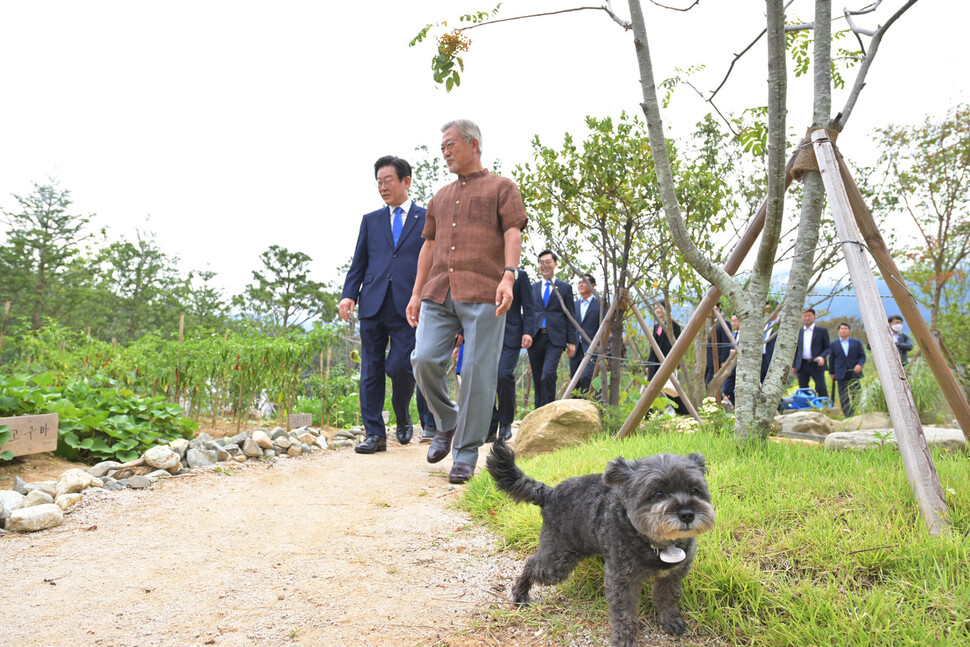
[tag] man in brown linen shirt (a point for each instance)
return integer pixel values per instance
(467, 265)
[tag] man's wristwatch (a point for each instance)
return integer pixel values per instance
(510, 269)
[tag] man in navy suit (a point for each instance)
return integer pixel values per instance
(551, 332)
(380, 280)
(811, 352)
(848, 358)
(518, 320)
(587, 313)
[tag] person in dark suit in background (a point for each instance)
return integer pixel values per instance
(551, 332)
(811, 352)
(518, 320)
(665, 344)
(848, 358)
(727, 389)
(380, 280)
(770, 335)
(587, 313)
(718, 343)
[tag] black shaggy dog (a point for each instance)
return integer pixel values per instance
(642, 515)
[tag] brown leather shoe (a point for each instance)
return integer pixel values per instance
(440, 446)
(461, 472)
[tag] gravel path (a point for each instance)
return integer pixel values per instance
(329, 549)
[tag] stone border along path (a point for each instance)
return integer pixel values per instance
(334, 548)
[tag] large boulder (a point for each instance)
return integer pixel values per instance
(951, 439)
(872, 420)
(562, 423)
(806, 422)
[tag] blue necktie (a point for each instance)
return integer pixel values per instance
(545, 302)
(398, 224)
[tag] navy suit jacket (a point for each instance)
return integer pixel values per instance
(561, 331)
(520, 316)
(378, 262)
(590, 323)
(820, 345)
(843, 364)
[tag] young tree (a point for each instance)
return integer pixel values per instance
(929, 180)
(42, 239)
(283, 296)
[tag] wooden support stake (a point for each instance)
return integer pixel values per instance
(593, 346)
(902, 409)
(656, 349)
(909, 310)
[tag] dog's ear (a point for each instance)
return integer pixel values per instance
(617, 472)
(700, 461)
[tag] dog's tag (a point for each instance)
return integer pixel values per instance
(672, 554)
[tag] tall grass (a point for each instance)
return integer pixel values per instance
(927, 395)
(811, 547)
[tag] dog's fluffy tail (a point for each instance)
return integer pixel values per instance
(513, 481)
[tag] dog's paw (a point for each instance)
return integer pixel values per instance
(674, 625)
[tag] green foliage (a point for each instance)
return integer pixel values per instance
(283, 297)
(811, 547)
(96, 421)
(4, 437)
(451, 44)
(927, 394)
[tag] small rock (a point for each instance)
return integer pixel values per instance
(239, 439)
(20, 485)
(158, 474)
(269, 453)
(199, 458)
(307, 438)
(277, 432)
(251, 448)
(38, 517)
(202, 439)
(139, 482)
(321, 442)
(75, 480)
(262, 439)
(114, 486)
(342, 442)
(283, 442)
(294, 451)
(239, 458)
(233, 449)
(37, 497)
(66, 501)
(180, 446)
(44, 486)
(102, 468)
(10, 501)
(162, 457)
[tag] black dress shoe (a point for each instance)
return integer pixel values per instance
(461, 472)
(404, 433)
(440, 445)
(371, 445)
(428, 434)
(505, 431)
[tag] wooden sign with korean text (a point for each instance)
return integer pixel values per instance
(299, 420)
(31, 434)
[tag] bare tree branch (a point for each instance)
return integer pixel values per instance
(860, 80)
(607, 9)
(663, 6)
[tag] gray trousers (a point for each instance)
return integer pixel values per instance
(434, 341)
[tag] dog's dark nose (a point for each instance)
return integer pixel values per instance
(685, 515)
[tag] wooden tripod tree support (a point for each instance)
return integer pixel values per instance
(902, 409)
(593, 347)
(660, 355)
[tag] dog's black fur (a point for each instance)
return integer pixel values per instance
(629, 514)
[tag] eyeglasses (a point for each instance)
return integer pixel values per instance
(448, 145)
(389, 182)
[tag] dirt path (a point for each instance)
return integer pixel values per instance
(333, 548)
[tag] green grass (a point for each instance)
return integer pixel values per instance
(811, 547)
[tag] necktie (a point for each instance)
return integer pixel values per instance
(398, 224)
(545, 302)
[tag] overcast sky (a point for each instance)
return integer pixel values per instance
(228, 126)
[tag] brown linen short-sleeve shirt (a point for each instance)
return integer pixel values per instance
(467, 221)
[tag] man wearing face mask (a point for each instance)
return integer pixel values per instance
(901, 339)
